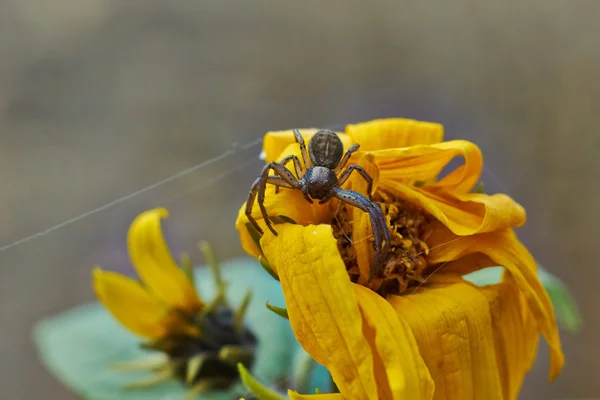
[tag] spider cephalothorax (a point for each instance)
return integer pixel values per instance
(319, 180)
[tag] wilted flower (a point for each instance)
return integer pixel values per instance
(203, 342)
(189, 345)
(418, 330)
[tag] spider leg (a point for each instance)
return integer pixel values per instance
(348, 171)
(250, 204)
(305, 157)
(275, 180)
(347, 156)
(381, 234)
(297, 167)
(285, 175)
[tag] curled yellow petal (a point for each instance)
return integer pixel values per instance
(394, 132)
(321, 305)
(464, 214)
(425, 162)
(155, 264)
(448, 200)
(504, 249)
(395, 346)
(129, 303)
(453, 328)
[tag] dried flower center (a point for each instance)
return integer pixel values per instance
(409, 227)
(213, 354)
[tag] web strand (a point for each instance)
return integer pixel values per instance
(442, 265)
(209, 183)
(130, 196)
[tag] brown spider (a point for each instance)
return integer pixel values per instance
(320, 181)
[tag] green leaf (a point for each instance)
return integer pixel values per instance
(210, 258)
(480, 188)
(240, 312)
(267, 267)
(564, 304)
(187, 266)
(79, 345)
(282, 312)
(282, 219)
(565, 307)
(193, 366)
(261, 391)
(254, 234)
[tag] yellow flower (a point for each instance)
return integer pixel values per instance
(155, 308)
(201, 344)
(418, 330)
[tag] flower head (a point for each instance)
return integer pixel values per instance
(418, 329)
(203, 342)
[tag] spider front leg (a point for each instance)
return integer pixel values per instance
(297, 167)
(305, 157)
(285, 179)
(348, 171)
(381, 233)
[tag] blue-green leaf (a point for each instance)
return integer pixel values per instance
(485, 276)
(79, 345)
(565, 307)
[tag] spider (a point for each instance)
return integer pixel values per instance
(320, 181)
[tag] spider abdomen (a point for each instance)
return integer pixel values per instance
(325, 149)
(319, 181)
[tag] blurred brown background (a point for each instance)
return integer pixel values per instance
(99, 98)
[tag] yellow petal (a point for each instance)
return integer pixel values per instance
(395, 346)
(155, 264)
(453, 328)
(321, 304)
(504, 249)
(129, 303)
(425, 162)
(515, 334)
(394, 132)
(276, 142)
(289, 203)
